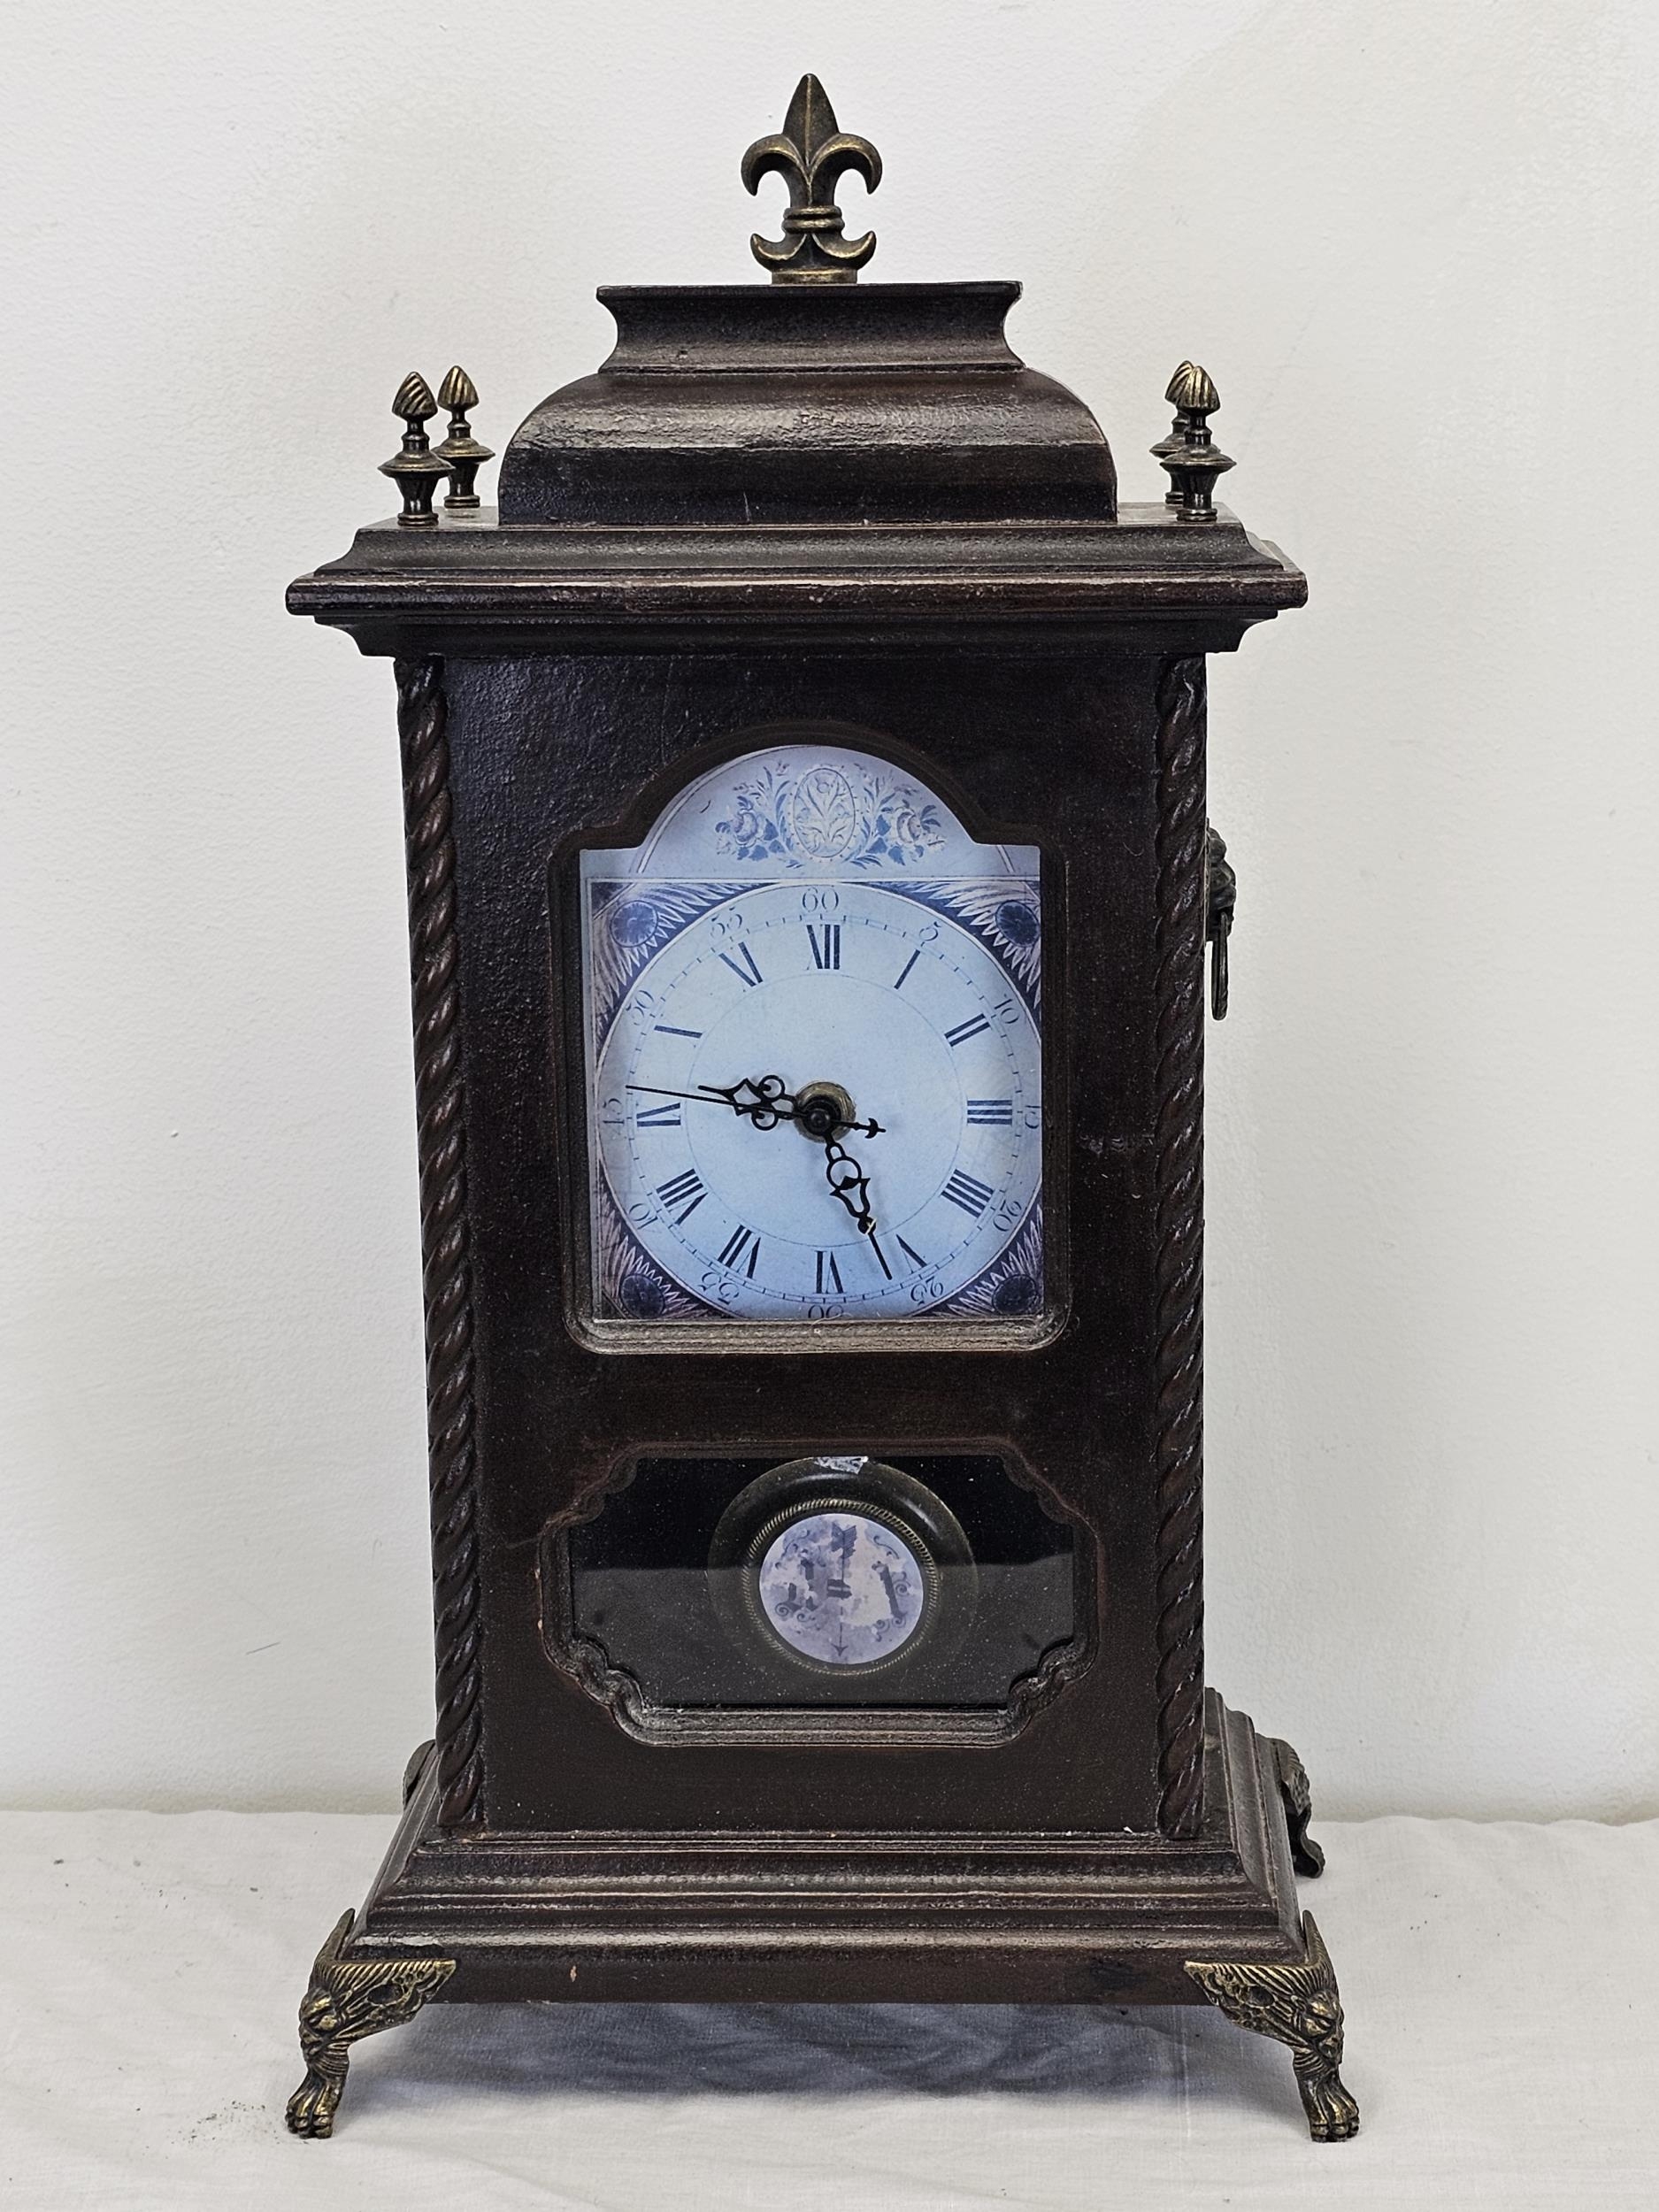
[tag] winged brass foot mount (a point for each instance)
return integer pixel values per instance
(1305, 1855)
(1298, 2006)
(347, 2000)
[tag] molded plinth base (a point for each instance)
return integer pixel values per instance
(782, 1917)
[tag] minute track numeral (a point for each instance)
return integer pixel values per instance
(992, 1111)
(825, 941)
(741, 963)
(684, 1188)
(963, 1031)
(969, 1192)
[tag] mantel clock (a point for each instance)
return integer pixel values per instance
(809, 886)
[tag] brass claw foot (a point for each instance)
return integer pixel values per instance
(348, 1999)
(1305, 1855)
(1298, 2006)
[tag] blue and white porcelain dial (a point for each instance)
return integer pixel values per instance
(814, 1073)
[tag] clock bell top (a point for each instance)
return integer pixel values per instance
(804, 403)
(801, 457)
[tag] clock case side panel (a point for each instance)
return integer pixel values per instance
(1063, 745)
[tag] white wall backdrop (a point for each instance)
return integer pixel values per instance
(1416, 244)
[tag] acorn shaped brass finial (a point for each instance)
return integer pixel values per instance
(808, 154)
(1178, 429)
(461, 452)
(1193, 464)
(415, 469)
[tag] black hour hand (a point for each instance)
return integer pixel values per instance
(763, 1100)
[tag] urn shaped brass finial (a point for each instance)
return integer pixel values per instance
(415, 468)
(809, 153)
(1192, 459)
(461, 452)
(1177, 430)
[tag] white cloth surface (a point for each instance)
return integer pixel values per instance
(1502, 2035)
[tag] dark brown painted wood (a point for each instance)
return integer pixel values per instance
(931, 563)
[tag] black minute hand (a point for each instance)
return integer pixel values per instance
(765, 1110)
(656, 1091)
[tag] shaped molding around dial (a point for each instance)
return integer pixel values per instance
(813, 916)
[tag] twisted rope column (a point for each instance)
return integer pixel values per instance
(440, 1101)
(1180, 1086)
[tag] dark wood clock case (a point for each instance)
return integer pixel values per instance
(848, 509)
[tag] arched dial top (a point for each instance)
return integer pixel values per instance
(813, 1016)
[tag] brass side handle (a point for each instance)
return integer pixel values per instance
(1221, 893)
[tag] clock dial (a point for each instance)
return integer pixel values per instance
(815, 1094)
(895, 1021)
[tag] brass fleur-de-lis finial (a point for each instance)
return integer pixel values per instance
(1193, 460)
(415, 468)
(461, 452)
(808, 154)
